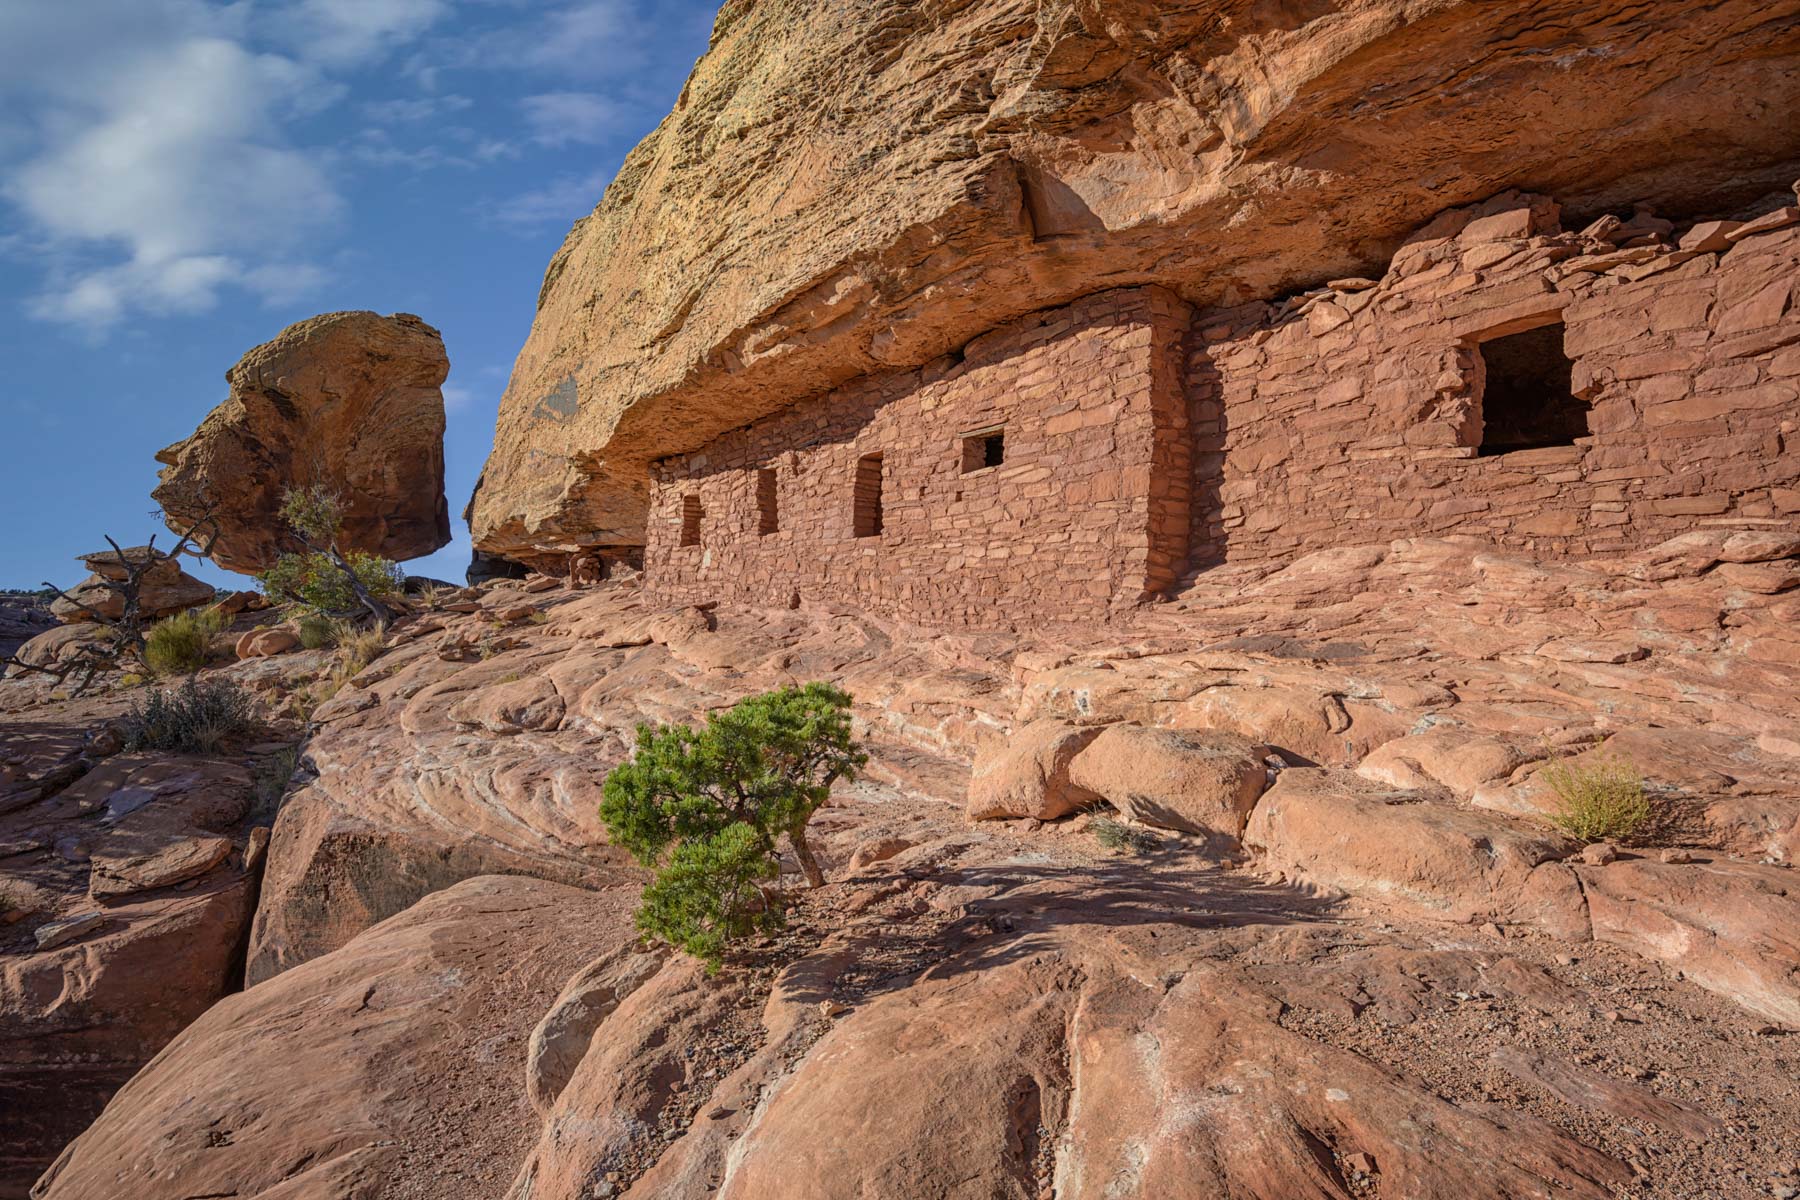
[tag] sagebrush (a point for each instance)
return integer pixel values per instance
(706, 808)
(199, 717)
(1602, 799)
(179, 644)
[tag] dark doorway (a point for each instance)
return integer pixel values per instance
(1528, 400)
(690, 520)
(768, 516)
(866, 516)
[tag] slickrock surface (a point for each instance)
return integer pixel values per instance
(390, 1069)
(850, 189)
(1402, 982)
(127, 885)
(1367, 1005)
(350, 401)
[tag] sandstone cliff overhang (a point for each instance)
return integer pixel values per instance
(849, 189)
(348, 400)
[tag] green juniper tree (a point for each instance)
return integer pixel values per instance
(327, 578)
(706, 808)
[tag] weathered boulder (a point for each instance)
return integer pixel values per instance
(333, 1079)
(1453, 757)
(60, 644)
(1417, 854)
(349, 401)
(163, 590)
(1198, 781)
(1010, 158)
(267, 643)
(560, 1040)
(1027, 775)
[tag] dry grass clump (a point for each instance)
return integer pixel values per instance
(1599, 800)
(197, 718)
(272, 778)
(358, 646)
(179, 644)
(1122, 838)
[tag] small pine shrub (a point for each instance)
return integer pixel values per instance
(197, 718)
(179, 644)
(1601, 800)
(1121, 838)
(317, 631)
(705, 808)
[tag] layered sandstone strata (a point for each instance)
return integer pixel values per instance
(348, 401)
(847, 190)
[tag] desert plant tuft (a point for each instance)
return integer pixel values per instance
(273, 775)
(196, 718)
(706, 807)
(179, 644)
(1600, 800)
(1122, 838)
(316, 631)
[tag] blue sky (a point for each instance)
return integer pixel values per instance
(180, 179)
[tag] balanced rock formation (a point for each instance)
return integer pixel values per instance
(350, 401)
(163, 590)
(775, 238)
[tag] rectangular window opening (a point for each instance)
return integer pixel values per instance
(983, 449)
(691, 513)
(768, 516)
(866, 513)
(1528, 400)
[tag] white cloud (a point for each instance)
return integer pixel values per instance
(582, 118)
(583, 39)
(457, 398)
(411, 111)
(559, 202)
(342, 33)
(174, 162)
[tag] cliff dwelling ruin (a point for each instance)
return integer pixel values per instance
(1568, 393)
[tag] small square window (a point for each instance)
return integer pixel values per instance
(983, 449)
(1528, 400)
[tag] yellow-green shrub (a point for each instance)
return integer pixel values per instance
(179, 644)
(1599, 800)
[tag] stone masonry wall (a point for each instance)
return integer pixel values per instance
(1089, 509)
(1353, 414)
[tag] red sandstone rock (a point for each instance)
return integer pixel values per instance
(266, 643)
(345, 1090)
(1028, 774)
(993, 181)
(165, 589)
(1422, 856)
(347, 401)
(1728, 926)
(1201, 782)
